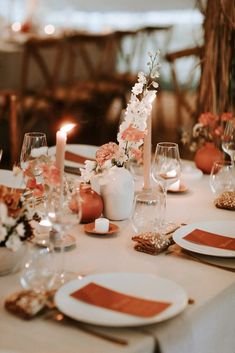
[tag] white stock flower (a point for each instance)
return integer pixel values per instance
(138, 88)
(3, 233)
(13, 242)
(155, 84)
(90, 165)
(107, 164)
(20, 230)
(10, 221)
(3, 212)
(142, 78)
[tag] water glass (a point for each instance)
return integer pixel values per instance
(38, 272)
(222, 177)
(147, 212)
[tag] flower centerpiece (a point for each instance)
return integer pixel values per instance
(15, 229)
(15, 225)
(116, 183)
(133, 128)
(209, 128)
(206, 135)
(39, 174)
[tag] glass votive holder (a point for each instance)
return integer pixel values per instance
(222, 177)
(147, 212)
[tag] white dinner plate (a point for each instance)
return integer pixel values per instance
(7, 178)
(145, 286)
(226, 228)
(88, 151)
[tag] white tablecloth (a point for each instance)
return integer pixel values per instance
(207, 326)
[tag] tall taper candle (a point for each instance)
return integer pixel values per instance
(148, 154)
(61, 138)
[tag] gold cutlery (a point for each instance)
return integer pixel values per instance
(57, 316)
(176, 250)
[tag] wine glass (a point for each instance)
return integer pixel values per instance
(228, 141)
(62, 218)
(34, 145)
(166, 169)
(147, 211)
(222, 177)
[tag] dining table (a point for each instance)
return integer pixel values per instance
(205, 325)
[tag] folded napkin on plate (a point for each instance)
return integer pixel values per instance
(202, 237)
(73, 157)
(97, 295)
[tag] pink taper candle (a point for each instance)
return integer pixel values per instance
(61, 138)
(148, 154)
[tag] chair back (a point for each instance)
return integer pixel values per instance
(185, 93)
(90, 56)
(11, 126)
(42, 64)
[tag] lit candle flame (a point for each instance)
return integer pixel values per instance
(67, 128)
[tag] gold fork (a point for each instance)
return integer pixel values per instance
(56, 315)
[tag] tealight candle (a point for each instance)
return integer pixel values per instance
(44, 226)
(102, 225)
(175, 186)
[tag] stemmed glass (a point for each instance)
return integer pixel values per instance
(63, 219)
(166, 169)
(44, 267)
(222, 177)
(228, 142)
(34, 145)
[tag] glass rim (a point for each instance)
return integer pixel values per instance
(167, 144)
(35, 134)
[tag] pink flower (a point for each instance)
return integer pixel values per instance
(38, 189)
(208, 119)
(51, 174)
(226, 116)
(133, 134)
(106, 152)
(137, 154)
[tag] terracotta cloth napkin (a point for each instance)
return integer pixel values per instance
(202, 237)
(73, 157)
(106, 298)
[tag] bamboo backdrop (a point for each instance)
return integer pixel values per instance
(216, 91)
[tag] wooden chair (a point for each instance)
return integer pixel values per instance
(91, 60)
(11, 127)
(42, 72)
(43, 57)
(182, 90)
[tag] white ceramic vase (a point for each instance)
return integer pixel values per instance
(117, 191)
(10, 261)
